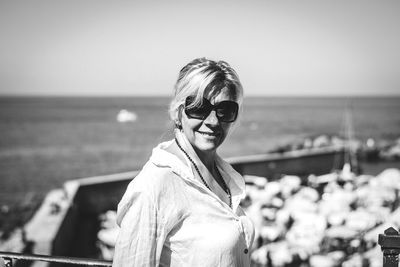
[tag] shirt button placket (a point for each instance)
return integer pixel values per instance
(242, 230)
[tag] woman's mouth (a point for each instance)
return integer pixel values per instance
(208, 134)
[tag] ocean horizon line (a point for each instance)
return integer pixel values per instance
(369, 96)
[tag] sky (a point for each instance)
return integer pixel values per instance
(129, 48)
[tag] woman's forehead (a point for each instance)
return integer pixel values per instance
(221, 95)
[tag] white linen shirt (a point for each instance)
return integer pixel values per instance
(168, 217)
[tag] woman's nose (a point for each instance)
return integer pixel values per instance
(212, 118)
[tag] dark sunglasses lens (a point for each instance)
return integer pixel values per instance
(197, 112)
(227, 111)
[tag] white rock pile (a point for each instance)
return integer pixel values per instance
(324, 221)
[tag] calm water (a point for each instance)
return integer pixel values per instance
(46, 141)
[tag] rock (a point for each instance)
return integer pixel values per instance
(337, 218)
(280, 254)
(282, 217)
(360, 220)
(354, 261)
(308, 193)
(260, 255)
(108, 236)
(320, 141)
(341, 232)
(321, 260)
(338, 200)
(15, 243)
(258, 181)
(109, 219)
(374, 257)
(337, 255)
(290, 184)
(307, 232)
(271, 233)
(389, 178)
(273, 188)
(298, 205)
(268, 213)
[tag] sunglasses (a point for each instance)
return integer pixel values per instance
(226, 111)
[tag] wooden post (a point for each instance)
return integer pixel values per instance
(390, 245)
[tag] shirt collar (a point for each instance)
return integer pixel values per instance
(162, 158)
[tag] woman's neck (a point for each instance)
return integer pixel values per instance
(207, 158)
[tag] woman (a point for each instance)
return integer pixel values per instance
(183, 208)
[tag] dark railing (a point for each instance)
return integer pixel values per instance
(389, 242)
(9, 256)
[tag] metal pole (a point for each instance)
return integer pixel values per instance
(8, 256)
(390, 245)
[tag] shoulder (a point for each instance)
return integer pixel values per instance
(154, 186)
(156, 181)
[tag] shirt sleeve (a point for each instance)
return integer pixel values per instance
(142, 235)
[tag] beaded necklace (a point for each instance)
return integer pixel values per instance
(226, 188)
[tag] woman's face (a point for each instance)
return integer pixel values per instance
(208, 134)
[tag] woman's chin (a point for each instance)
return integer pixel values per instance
(206, 145)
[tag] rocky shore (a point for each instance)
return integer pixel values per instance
(368, 150)
(330, 221)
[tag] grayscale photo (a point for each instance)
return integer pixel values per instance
(200, 133)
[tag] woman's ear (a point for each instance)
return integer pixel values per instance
(178, 123)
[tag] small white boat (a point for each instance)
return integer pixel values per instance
(126, 116)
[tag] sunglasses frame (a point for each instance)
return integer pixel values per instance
(209, 107)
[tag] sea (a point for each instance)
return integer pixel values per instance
(45, 141)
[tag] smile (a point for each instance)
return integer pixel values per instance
(208, 133)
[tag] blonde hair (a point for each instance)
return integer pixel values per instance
(200, 77)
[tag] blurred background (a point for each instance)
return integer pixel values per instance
(85, 87)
